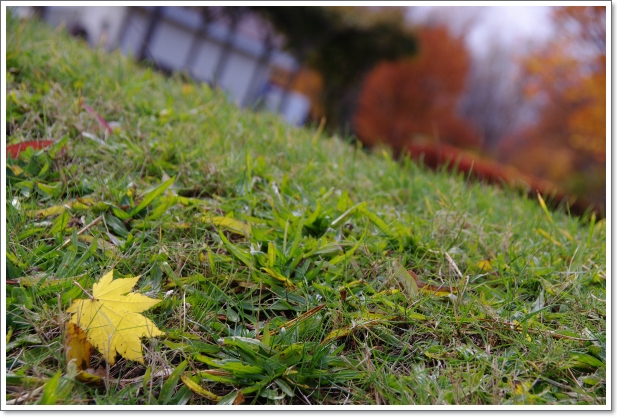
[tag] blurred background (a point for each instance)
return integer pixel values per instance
(514, 94)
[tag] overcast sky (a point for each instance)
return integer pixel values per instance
(511, 26)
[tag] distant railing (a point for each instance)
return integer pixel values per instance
(211, 51)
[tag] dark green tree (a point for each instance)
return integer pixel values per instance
(342, 44)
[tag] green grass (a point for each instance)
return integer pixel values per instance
(301, 295)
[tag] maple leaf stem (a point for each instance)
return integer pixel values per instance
(82, 288)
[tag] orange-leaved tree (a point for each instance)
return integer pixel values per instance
(568, 76)
(417, 98)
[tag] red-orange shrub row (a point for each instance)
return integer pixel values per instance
(439, 155)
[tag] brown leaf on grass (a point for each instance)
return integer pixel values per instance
(77, 346)
(240, 398)
(78, 350)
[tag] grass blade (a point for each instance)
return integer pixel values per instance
(168, 387)
(150, 196)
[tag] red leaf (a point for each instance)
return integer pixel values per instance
(14, 150)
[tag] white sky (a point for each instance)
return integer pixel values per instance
(511, 26)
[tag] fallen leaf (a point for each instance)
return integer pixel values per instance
(520, 388)
(77, 346)
(78, 350)
(111, 320)
(239, 398)
(14, 150)
(484, 265)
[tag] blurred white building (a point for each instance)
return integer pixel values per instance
(237, 55)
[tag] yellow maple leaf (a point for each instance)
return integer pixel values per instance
(111, 319)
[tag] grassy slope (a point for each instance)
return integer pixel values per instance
(498, 341)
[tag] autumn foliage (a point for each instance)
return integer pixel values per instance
(441, 155)
(412, 106)
(568, 76)
(416, 99)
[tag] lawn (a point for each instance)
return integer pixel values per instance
(293, 268)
